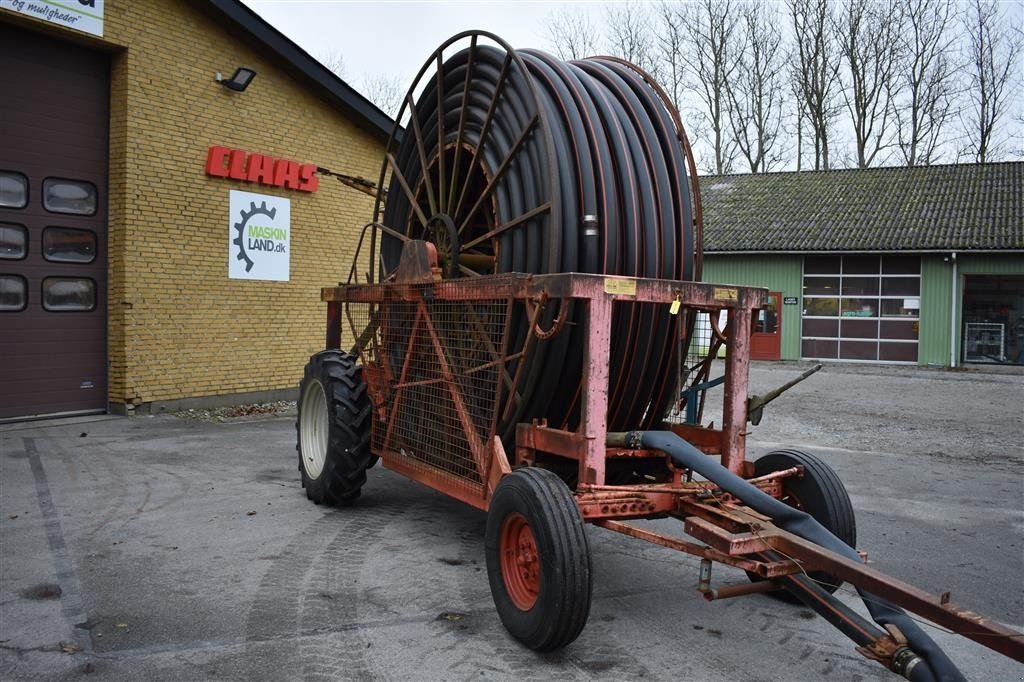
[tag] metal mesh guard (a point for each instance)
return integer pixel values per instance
(432, 368)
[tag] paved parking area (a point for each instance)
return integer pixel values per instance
(168, 548)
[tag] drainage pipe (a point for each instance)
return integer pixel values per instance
(953, 327)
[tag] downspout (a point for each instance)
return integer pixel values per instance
(953, 330)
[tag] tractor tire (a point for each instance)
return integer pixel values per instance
(820, 493)
(333, 428)
(538, 559)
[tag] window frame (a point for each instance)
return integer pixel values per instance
(24, 229)
(28, 190)
(24, 281)
(95, 244)
(42, 295)
(42, 196)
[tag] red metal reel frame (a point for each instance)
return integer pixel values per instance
(416, 281)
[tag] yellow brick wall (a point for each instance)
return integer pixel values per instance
(179, 328)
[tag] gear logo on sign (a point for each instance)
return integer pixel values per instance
(259, 237)
(240, 239)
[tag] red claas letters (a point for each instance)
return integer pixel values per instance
(236, 164)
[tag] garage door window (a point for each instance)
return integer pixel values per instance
(13, 190)
(69, 294)
(67, 245)
(76, 197)
(13, 241)
(861, 308)
(13, 293)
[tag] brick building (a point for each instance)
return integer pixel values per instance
(135, 272)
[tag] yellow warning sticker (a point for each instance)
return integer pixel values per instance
(726, 294)
(623, 287)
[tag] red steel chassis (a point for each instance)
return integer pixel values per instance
(732, 533)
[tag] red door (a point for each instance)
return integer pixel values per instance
(766, 340)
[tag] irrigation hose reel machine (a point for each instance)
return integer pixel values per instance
(524, 329)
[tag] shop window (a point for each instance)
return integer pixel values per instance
(858, 350)
(13, 241)
(822, 265)
(860, 286)
(13, 190)
(824, 307)
(993, 315)
(901, 265)
(849, 302)
(13, 293)
(828, 286)
(861, 265)
(859, 307)
(897, 352)
(67, 294)
(822, 349)
(858, 329)
(901, 286)
(826, 328)
(901, 307)
(67, 245)
(898, 329)
(76, 197)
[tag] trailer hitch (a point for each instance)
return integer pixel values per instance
(756, 403)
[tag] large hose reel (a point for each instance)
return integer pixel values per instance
(516, 161)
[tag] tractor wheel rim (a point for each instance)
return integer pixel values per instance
(520, 562)
(313, 429)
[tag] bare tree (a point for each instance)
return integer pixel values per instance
(755, 91)
(384, 90)
(799, 117)
(629, 34)
(333, 60)
(868, 35)
(816, 71)
(671, 46)
(571, 34)
(926, 79)
(709, 29)
(993, 49)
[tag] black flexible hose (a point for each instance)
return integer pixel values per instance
(935, 666)
(603, 183)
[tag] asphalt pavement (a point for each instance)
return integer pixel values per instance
(168, 548)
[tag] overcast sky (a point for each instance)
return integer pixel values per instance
(394, 38)
(397, 37)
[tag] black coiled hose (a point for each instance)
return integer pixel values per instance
(516, 161)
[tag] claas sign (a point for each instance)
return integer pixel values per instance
(236, 164)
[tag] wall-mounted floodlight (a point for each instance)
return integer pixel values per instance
(239, 81)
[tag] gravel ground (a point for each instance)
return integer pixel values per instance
(247, 412)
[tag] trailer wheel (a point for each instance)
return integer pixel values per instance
(820, 493)
(538, 559)
(333, 428)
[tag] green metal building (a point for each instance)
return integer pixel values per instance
(907, 265)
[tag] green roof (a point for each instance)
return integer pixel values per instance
(954, 207)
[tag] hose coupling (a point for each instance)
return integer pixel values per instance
(904, 661)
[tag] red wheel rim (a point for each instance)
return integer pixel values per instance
(520, 563)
